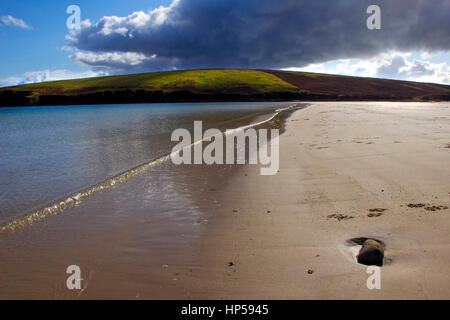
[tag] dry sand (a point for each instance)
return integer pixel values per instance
(344, 159)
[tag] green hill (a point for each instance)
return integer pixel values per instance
(218, 85)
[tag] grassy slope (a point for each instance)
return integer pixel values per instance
(194, 80)
(221, 83)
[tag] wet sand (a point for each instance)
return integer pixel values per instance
(134, 240)
(226, 232)
(337, 160)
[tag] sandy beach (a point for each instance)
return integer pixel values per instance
(336, 159)
(227, 232)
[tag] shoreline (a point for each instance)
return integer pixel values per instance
(106, 230)
(206, 101)
(240, 235)
(75, 198)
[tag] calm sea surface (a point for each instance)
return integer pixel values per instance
(49, 152)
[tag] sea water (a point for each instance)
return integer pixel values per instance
(47, 153)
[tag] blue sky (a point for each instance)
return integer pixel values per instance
(39, 48)
(146, 35)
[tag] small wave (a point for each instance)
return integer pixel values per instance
(60, 205)
(76, 198)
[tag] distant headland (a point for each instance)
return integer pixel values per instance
(219, 85)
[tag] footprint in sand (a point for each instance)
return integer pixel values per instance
(435, 208)
(376, 212)
(339, 216)
(428, 206)
(416, 205)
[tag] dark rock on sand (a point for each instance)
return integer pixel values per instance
(360, 241)
(371, 253)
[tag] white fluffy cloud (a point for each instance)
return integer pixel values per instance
(112, 60)
(10, 21)
(47, 75)
(116, 62)
(128, 26)
(400, 67)
(394, 65)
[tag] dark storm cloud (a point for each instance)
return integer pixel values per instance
(263, 33)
